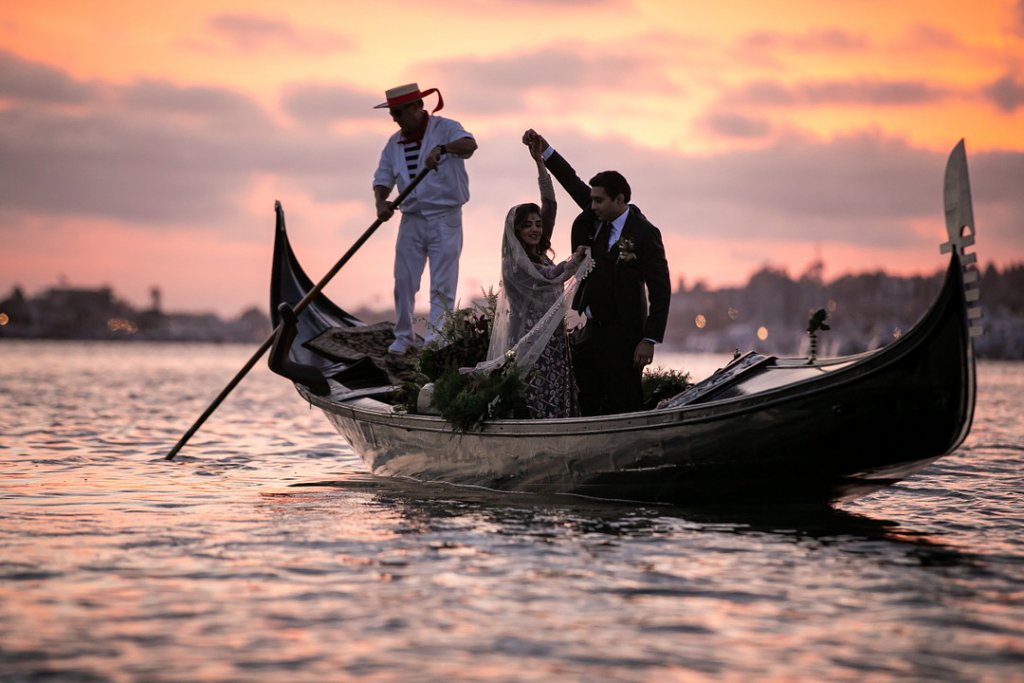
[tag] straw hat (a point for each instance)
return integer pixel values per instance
(404, 94)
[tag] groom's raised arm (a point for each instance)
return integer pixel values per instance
(567, 178)
(560, 168)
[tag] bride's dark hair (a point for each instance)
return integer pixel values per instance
(519, 220)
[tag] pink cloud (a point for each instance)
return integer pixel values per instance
(24, 80)
(318, 104)
(854, 91)
(824, 40)
(503, 84)
(254, 33)
(730, 125)
(1007, 93)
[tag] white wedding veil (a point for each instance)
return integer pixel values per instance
(530, 305)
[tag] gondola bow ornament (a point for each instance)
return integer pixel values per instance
(960, 228)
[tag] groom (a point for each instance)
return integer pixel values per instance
(618, 338)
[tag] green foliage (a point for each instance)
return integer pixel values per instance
(466, 400)
(660, 384)
(461, 341)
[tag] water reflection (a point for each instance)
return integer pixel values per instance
(434, 508)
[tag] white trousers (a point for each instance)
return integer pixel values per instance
(437, 239)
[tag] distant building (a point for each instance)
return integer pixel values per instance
(66, 312)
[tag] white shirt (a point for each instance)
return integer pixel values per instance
(616, 231)
(441, 190)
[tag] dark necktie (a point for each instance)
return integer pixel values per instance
(604, 230)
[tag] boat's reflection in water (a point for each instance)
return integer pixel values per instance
(433, 508)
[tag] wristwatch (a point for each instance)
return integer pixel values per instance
(443, 149)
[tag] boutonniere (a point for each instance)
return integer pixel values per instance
(627, 250)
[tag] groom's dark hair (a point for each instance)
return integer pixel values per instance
(613, 183)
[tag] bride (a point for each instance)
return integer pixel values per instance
(529, 321)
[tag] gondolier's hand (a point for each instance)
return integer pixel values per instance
(384, 209)
(434, 157)
(644, 354)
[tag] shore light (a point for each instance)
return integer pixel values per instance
(122, 325)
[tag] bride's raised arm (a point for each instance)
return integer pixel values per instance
(548, 204)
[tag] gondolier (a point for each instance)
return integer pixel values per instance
(431, 226)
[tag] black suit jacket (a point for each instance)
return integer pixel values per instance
(629, 276)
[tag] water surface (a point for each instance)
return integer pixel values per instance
(266, 553)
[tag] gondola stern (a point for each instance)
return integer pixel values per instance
(283, 265)
(290, 284)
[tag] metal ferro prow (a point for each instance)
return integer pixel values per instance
(960, 228)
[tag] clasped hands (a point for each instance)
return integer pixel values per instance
(536, 142)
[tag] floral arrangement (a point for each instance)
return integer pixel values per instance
(466, 400)
(462, 339)
(627, 250)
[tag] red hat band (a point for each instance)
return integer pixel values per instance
(405, 94)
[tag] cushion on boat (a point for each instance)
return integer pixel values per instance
(354, 343)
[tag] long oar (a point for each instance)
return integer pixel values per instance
(299, 307)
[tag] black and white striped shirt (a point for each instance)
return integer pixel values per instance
(412, 156)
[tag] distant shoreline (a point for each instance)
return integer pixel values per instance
(769, 314)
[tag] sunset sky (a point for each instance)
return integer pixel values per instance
(144, 143)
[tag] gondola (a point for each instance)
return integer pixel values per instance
(762, 428)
